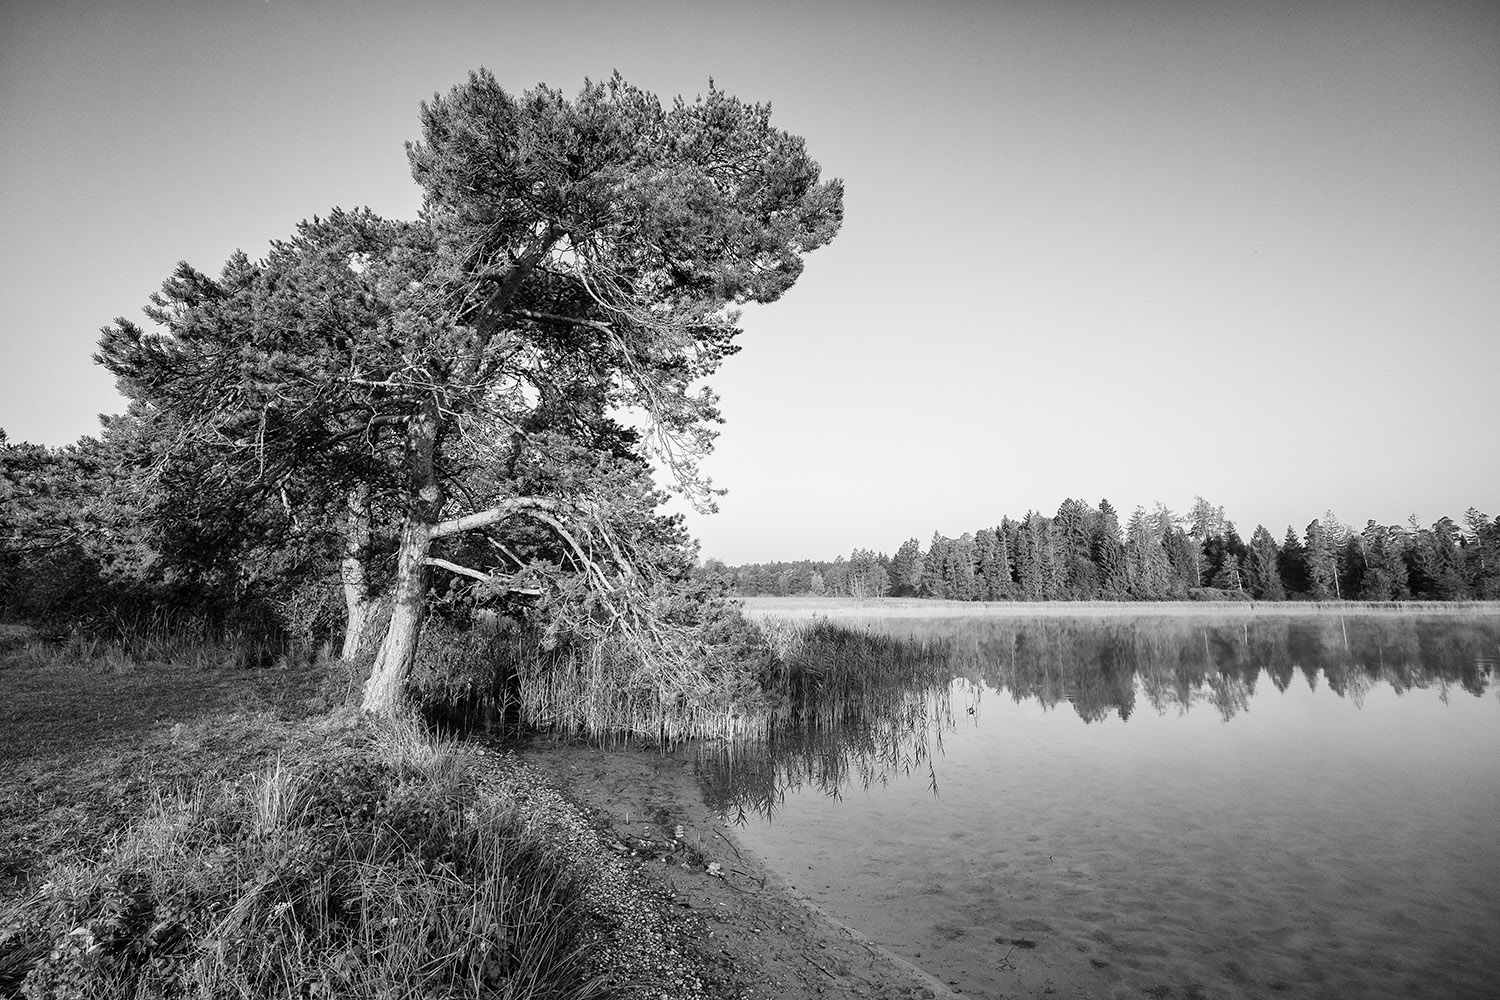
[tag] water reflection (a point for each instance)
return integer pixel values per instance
(1101, 668)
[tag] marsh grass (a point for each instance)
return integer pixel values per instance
(606, 694)
(846, 707)
(377, 862)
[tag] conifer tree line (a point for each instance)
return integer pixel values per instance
(1086, 553)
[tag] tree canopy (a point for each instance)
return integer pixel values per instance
(511, 360)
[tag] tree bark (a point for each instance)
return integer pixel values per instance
(358, 604)
(385, 691)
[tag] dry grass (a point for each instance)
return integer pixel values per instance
(213, 831)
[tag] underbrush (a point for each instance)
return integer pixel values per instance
(367, 861)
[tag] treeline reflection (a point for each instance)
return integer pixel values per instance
(861, 735)
(1105, 667)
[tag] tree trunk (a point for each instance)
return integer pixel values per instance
(385, 691)
(359, 605)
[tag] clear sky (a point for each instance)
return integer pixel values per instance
(1123, 249)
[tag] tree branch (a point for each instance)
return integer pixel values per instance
(496, 514)
(453, 567)
(477, 575)
(542, 317)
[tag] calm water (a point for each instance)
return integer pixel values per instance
(1159, 807)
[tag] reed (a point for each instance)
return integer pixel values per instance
(846, 707)
(605, 692)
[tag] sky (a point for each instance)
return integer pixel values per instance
(1142, 251)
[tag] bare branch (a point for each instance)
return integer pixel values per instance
(453, 567)
(543, 317)
(496, 514)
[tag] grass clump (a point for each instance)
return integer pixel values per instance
(378, 863)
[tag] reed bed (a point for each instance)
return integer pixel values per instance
(847, 707)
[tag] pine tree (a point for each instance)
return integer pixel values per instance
(992, 567)
(1262, 567)
(933, 583)
(1149, 574)
(482, 369)
(1185, 561)
(1322, 566)
(1228, 576)
(1482, 555)
(1030, 577)
(1292, 564)
(1074, 531)
(906, 569)
(958, 569)
(1108, 552)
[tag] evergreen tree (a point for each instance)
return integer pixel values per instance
(1436, 563)
(1482, 555)
(1185, 561)
(1031, 582)
(906, 569)
(1322, 566)
(1228, 576)
(958, 569)
(479, 372)
(867, 576)
(1073, 529)
(933, 583)
(1292, 564)
(992, 565)
(1108, 554)
(1262, 567)
(1205, 520)
(1148, 572)
(836, 579)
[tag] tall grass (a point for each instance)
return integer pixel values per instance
(380, 863)
(500, 671)
(844, 707)
(788, 675)
(604, 692)
(161, 635)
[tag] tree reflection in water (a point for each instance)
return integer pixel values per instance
(856, 724)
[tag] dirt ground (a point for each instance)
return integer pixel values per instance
(779, 943)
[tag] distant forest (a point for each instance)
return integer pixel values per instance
(1083, 553)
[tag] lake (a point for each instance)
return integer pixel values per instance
(1189, 807)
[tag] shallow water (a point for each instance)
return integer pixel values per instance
(1163, 808)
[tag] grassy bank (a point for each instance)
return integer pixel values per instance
(210, 830)
(914, 607)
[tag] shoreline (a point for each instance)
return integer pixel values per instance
(771, 938)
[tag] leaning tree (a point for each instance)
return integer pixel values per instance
(514, 354)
